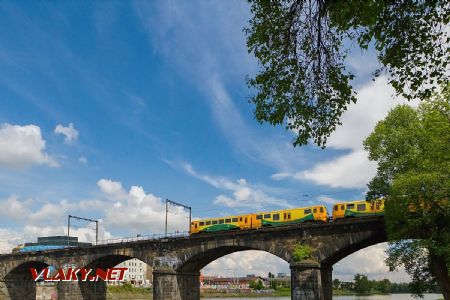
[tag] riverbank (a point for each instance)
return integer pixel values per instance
(123, 292)
(285, 292)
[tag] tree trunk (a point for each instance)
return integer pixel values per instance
(441, 273)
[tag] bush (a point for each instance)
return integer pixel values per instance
(301, 252)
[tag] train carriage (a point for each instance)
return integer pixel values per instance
(262, 219)
(292, 216)
(358, 209)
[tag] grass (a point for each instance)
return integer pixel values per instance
(128, 289)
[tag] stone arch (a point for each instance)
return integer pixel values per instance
(353, 247)
(196, 260)
(95, 290)
(19, 282)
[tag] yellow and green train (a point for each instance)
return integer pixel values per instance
(317, 213)
(359, 208)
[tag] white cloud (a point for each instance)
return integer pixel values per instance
(375, 100)
(8, 240)
(242, 194)
(139, 212)
(14, 208)
(352, 170)
(51, 211)
(69, 132)
(246, 262)
(112, 189)
(83, 160)
(23, 146)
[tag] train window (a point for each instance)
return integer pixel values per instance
(235, 219)
(221, 221)
(289, 216)
(321, 209)
(342, 207)
(350, 206)
(227, 220)
(202, 223)
(315, 210)
(361, 207)
(267, 216)
(214, 222)
(336, 207)
(195, 225)
(307, 211)
(276, 216)
(240, 219)
(208, 222)
(259, 217)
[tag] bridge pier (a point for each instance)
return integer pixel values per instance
(17, 290)
(306, 281)
(171, 285)
(69, 290)
(90, 290)
(3, 291)
(327, 281)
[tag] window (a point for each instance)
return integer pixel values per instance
(259, 217)
(342, 207)
(227, 220)
(195, 225)
(321, 209)
(307, 211)
(315, 210)
(276, 217)
(208, 222)
(361, 207)
(202, 223)
(221, 221)
(240, 219)
(235, 219)
(350, 206)
(214, 222)
(289, 215)
(336, 207)
(267, 216)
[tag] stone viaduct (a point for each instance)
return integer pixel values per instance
(177, 262)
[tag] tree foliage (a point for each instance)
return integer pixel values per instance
(412, 148)
(301, 46)
(362, 284)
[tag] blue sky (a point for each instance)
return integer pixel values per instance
(107, 108)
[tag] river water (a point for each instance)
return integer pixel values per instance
(377, 297)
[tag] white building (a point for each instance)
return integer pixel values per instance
(138, 272)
